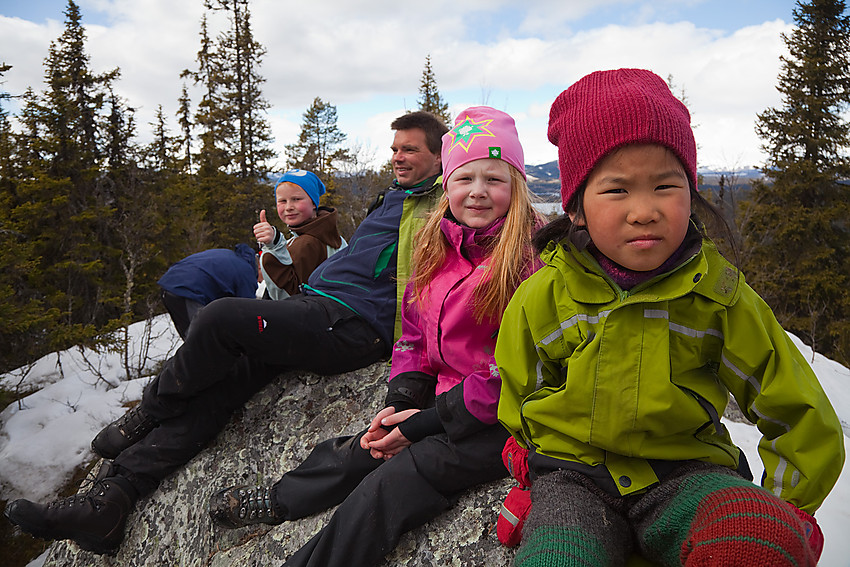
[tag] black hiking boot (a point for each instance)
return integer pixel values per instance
(95, 519)
(124, 432)
(240, 506)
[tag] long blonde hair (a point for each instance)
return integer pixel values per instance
(510, 254)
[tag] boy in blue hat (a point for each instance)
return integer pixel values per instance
(345, 318)
(286, 264)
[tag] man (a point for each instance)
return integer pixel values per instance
(346, 318)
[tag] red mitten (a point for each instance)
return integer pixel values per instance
(813, 531)
(515, 509)
(516, 461)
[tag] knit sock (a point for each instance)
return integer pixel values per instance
(572, 524)
(731, 522)
(560, 546)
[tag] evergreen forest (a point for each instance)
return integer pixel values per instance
(90, 218)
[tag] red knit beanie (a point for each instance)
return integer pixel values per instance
(608, 109)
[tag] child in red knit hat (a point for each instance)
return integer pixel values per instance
(619, 355)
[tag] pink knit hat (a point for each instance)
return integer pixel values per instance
(481, 132)
(608, 109)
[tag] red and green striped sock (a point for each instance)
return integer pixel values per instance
(729, 521)
(549, 546)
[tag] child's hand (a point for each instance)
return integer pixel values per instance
(516, 461)
(393, 442)
(263, 231)
(376, 432)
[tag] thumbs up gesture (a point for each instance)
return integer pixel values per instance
(263, 231)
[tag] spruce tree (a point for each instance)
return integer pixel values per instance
(184, 119)
(252, 147)
(797, 238)
(64, 189)
(234, 134)
(319, 144)
(59, 202)
(21, 312)
(6, 135)
(160, 154)
(212, 115)
(429, 94)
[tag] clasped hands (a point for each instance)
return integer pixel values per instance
(382, 440)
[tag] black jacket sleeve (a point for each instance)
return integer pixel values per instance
(421, 424)
(410, 390)
(457, 421)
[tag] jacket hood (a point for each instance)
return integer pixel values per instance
(323, 227)
(246, 253)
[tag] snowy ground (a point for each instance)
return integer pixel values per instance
(549, 208)
(45, 436)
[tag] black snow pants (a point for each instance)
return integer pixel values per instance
(234, 348)
(381, 500)
(182, 310)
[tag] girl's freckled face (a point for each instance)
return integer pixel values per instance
(479, 192)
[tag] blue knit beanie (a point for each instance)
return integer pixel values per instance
(307, 180)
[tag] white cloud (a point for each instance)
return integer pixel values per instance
(354, 56)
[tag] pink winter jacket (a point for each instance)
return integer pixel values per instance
(442, 348)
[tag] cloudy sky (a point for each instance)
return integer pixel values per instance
(366, 58)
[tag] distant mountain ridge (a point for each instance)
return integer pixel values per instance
(544, 179)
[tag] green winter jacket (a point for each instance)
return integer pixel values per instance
(595, 375)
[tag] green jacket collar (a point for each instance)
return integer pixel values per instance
(704, 271)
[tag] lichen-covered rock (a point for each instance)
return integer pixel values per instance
(272, 434)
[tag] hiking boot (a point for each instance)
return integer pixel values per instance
(95, 474)
(240, 506)
(124, 432)
(95, 519)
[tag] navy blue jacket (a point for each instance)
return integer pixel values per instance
(212, 274)
(363, 276)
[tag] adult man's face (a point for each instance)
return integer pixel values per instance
(412, 160)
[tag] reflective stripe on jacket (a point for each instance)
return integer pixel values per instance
(595, 375)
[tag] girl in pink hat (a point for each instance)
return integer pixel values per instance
(437, 434)
(619, 355)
